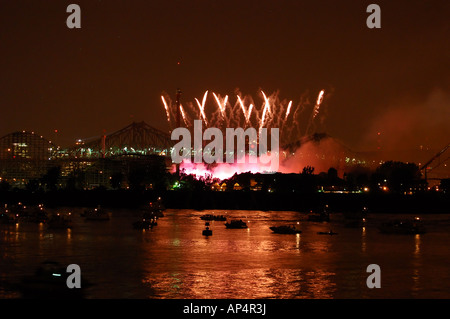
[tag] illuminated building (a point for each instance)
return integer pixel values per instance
(26, 156)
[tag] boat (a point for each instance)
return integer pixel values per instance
(236, 224)
(285, 229)
(207, 231)
(404, 227)
(7, 218)
(355, 223)
(19, 209)
(59, 221)
(327, 232)
(355, 219)
(158, 204)
(322, 216)
(96, 214)
(145, 224)
(318, 217)
(155, 209)
(213, 217)
(50, 282)
(35, 215)
(40, 217)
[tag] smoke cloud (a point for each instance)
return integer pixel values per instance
(411, 124)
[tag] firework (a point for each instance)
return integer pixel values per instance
(166, 108)
(202, 107)
(269, 112)
(222, 104)
(315, 111)
(265, 110)
(288, 110)
(183, 115)
(248, 113)
(319, 101)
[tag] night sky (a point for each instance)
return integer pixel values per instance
(394, 80)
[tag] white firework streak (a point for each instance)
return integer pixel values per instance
(202, 107)
(167, 108)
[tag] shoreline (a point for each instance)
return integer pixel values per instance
(424, 203)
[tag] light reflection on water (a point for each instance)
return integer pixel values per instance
(250, 283)
(174, 260)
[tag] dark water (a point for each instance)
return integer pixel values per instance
(174, 260)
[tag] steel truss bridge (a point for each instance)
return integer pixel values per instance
(26, 155)
(136, 138)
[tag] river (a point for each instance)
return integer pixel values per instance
(173, 260)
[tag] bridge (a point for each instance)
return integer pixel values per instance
(136, 138)
(26, 156)
(426, 168)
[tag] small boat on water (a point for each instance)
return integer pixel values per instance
(33, 214)
(50, 282)
(59, 221)
(39, 215)
(96, 214)
(355, 223)
(7, 217)
(145, 224)
(355, 219)
(285, 229)
(207, 232)
(154, 209)
(403, 227)
(318, 217)
(149, 216)
(18, 209)
(236, 224)
(322, 216)
(213, 217)
(327, 233)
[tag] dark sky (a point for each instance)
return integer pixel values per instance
(112, 71)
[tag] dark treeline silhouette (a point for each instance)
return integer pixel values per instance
(392, 177)
(391, 187)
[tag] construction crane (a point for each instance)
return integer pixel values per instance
(425, 166)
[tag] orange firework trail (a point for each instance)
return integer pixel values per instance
(249, 113)
(315, 111)
(167, 108)
(222, 105)
(242, 105)
(269, 112)
(202, 107)
(266, 108)
(183, 115)
(246, 113)
(288, 110)
(319, 101)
